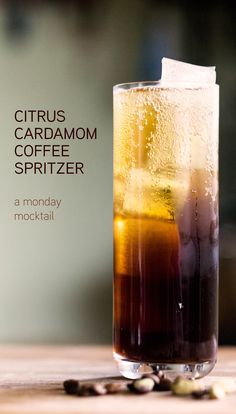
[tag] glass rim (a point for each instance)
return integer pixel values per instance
(157, 84)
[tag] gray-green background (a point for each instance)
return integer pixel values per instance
(56, 278)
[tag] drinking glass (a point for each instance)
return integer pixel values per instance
(165, 228)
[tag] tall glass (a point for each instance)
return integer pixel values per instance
(165, 228)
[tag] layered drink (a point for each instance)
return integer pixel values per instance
(166, 225)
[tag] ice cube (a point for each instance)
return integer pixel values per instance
(174, 71)
(153, 195)
(197, 117)
(141, 196)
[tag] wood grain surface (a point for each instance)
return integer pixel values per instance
(31, 383)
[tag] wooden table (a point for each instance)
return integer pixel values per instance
(31, 383)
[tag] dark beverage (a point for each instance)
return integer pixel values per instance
(165, 308)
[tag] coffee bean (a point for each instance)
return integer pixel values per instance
(154, 377)
(164, 385)
(200, 394)
(99, 389)
(85, 390)
(142, 385)
(183, 386)
(115, 387)
(71, 386)
(91, 389)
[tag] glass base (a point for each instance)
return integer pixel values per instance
(133, 369)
